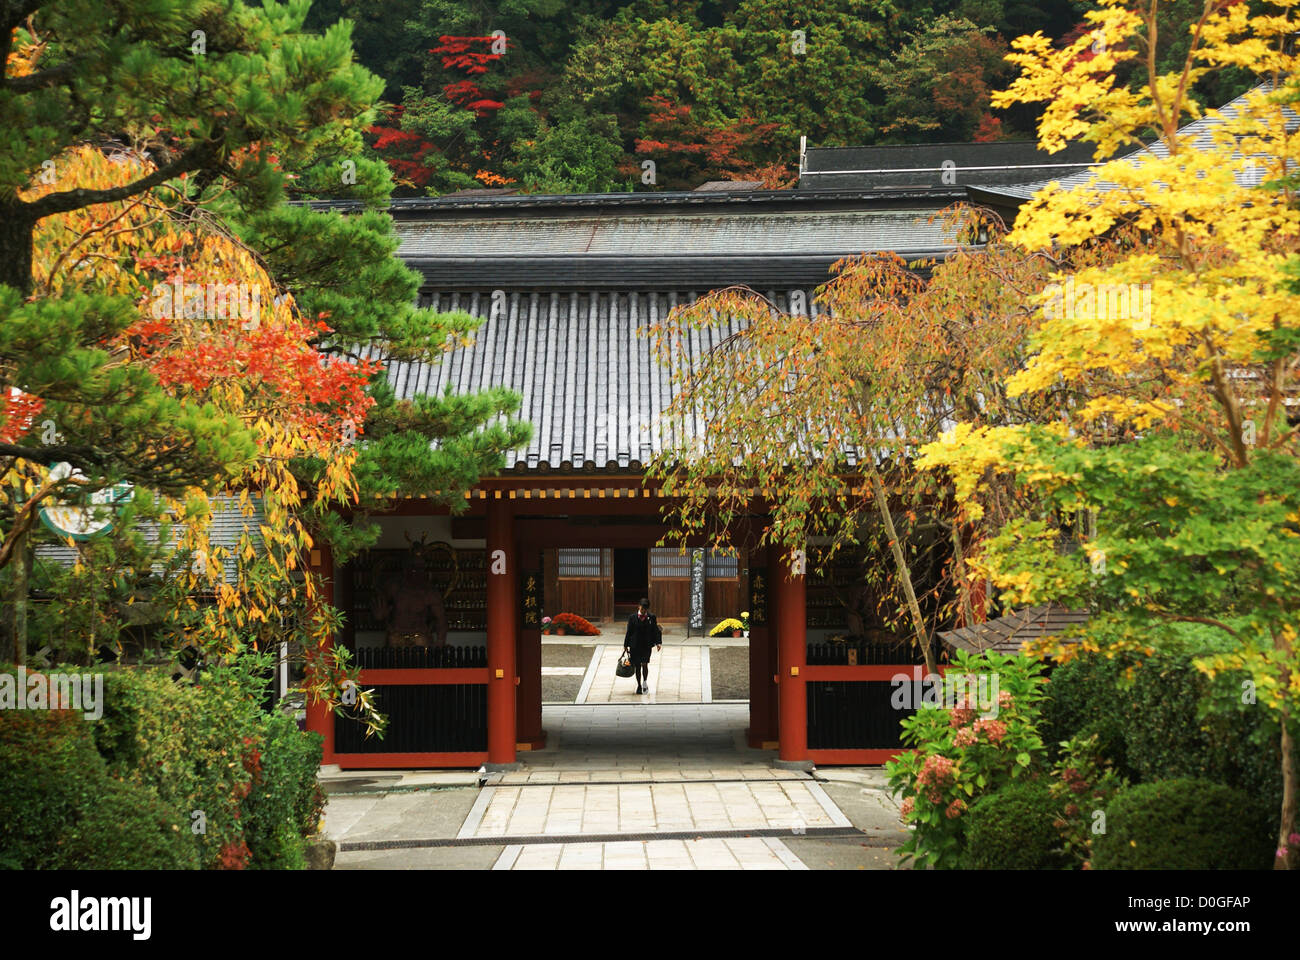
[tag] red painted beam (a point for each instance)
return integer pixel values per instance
(852, 758)
(403, 761)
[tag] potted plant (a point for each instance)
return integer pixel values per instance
(730, 625)
(744, 623)
(546, 625)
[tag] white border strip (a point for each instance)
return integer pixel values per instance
(785, 854)
(706, 675)
(509, 856)
(475, 817)
(837, 817)
(591, 673)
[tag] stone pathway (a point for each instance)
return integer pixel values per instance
(701, 806)
(741, 853)
(620, 786)
(678, 674)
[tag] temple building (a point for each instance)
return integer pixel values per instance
(564, 284)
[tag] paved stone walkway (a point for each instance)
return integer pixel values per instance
(645, 736)
(701, 806)
(741, 853)
(677, 674)
(620, 786)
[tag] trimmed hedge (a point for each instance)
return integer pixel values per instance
(1012, 829)
(1153, 729)
(1185, 824)
(60, 809)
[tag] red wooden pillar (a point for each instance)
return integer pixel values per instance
(502, 616)
(529, 700)
(319, 717)
(790, 586)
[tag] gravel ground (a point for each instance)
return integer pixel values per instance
(730, 672)
(566, 655)
(563, 689)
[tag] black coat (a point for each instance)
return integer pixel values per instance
(641, 636)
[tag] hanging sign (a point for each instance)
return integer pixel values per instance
(83, 522)
(697, 589)
(758, 596)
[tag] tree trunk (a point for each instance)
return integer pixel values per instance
(963, 585)
(22, 574)
(1290, 788)
(15, 248)
(1290, 775)
(904, 572)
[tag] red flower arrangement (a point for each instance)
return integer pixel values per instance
(571, 623)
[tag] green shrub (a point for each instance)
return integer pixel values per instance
(186, 742)
(1083, 691)
(961, 756)
(1111, 744)
(60, 809)
(1012, 829)
(284, 805)
(1170, 721)
(165, 753)
(1185, 824)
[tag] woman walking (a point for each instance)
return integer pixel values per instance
(642, 634)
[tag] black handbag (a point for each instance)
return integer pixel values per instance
(624, 668)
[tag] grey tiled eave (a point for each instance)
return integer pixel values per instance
(591, 386)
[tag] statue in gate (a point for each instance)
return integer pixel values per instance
(411, 605)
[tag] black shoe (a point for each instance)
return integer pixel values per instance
(638, 690)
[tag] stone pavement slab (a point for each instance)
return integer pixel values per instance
(577, 809)
(731, 853)
(678, 674)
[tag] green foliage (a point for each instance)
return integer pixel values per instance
(1184, 824)
(116, 593)
(1013, 828)
(210, 748)
(285, 801)
(860, 71)
(186, 743)
(1084, 782)
(61, 810)
(961, 756)
(574, 156)
(1166, 719)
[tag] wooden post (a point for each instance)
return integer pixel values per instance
(502, 619)
(319, 717)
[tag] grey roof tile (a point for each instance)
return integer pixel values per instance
(592, 388)
(1008, 633)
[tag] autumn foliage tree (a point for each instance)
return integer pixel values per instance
(822, 408)
(1183, 441)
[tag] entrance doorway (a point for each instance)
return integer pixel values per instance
(631, 579)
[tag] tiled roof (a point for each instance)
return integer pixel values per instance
(1006, 634)
(591, 386)
(936, 165)
(618, 248)
(564, 284)
(1200, 131)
